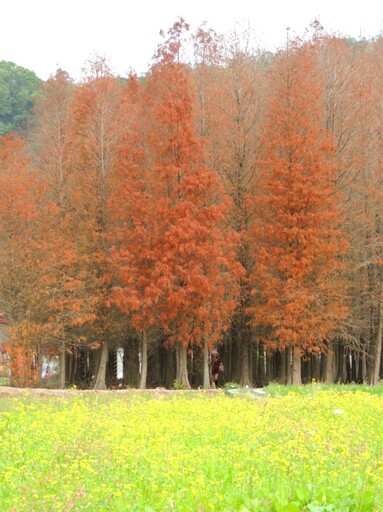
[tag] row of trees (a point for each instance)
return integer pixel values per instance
(228, 200)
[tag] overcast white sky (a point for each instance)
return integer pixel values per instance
(43, 35)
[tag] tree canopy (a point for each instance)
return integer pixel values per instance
(18, 86)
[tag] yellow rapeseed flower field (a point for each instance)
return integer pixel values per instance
(321, 451)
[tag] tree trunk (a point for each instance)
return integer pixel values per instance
(306, 369)
(342, 377)
(131, 363)
(101, 374)
(315, 365)
(62, 366)
(270, 373)
(329, 367)
(364, 367)
(168, 367)
(245, 361)
(182, 370)
(70, 367)
(281, 363)
(235, 359)
(261, 358)
(295, 361)
(75, 366)
(144, 359)
(377, 350)
(206, 372)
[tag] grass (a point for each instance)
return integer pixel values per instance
(315, 449)
(309, 389)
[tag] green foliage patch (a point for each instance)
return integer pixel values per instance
(319, 451)
(18, 86)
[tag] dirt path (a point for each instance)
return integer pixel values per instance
(42, 392)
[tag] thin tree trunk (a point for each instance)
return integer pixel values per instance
(329, 367)
(245, 362)
(281, 366)
(144, 359)
(75, 366)
(235, 358)
(364, 367)
(182, 371)
(270, 374)
(343, 365)
(358, 378)
(62, 366)
(295, 366)
(206, 374)
(315, 373)
(261, 376)
(70, 368)
(100, 380)
(377, 350)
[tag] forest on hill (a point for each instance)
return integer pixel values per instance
(229, 199)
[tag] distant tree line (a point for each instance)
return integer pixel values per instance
(229, 199)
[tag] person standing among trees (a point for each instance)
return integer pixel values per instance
(216, 367)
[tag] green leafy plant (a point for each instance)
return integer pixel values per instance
(178, 385)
